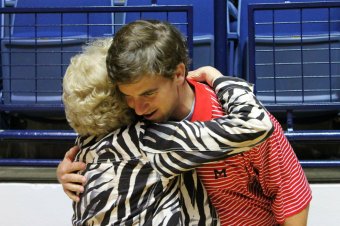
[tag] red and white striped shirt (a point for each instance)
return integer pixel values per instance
(263, 186)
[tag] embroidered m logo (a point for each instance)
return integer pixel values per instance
(221, 173)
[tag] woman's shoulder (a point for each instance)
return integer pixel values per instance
(121, 144)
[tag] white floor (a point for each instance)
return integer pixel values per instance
(325, 206)
(24, 204)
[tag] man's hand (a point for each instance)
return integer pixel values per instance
(205, 74)
(67, 174)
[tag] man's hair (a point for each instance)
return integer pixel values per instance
(93, 104)
(146, 47)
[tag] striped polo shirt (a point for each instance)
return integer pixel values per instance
(263, 186)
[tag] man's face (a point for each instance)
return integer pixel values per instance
(153, 97)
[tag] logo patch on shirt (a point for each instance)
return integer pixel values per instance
(220, 173)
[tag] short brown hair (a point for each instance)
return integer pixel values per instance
(146, 47)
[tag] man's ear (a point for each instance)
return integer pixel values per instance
(180, 73)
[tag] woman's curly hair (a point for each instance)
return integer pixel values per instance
(93, 104)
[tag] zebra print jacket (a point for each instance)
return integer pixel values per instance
(143, 174)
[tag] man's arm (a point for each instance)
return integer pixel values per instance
(299, 219)
(67, 174)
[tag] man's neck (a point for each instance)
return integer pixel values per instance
(186, 101)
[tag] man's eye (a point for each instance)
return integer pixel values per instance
(149, 94)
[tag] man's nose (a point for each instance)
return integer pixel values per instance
(140, 106)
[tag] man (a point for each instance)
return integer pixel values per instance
(266, 186)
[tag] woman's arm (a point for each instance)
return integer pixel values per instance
(175, 147)
(246, 124)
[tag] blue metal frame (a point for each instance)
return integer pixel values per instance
(291, 106)
(301, 135)
(30, 162)
(251, 40)
(308, 135)
(320, 164)
(69, 135)
(34, 107)
(37, 135)
(220, 25)
(55, 162)
(220, 63)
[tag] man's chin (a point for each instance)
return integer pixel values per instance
(156, 119)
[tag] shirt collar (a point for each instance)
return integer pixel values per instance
(203, 103)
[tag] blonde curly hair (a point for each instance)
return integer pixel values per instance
(93, 105)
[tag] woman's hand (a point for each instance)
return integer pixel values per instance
(205, 74)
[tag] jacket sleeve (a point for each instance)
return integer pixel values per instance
(174, 147)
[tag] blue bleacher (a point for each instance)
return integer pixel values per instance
(295, 51)
(34, 59)
(37, 47)
(319, 99)
(290, 69)
(294, 59)
(241, 58)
